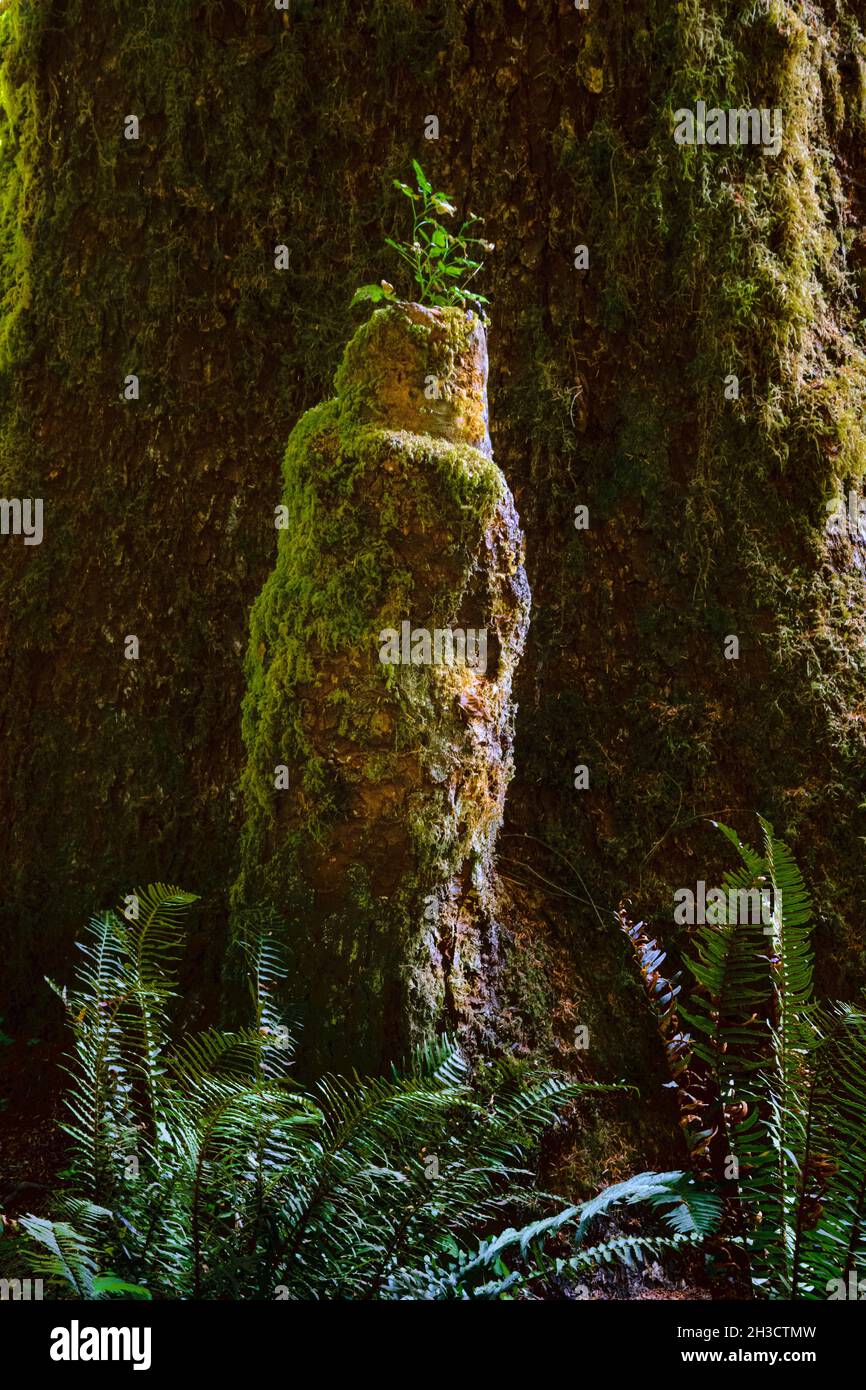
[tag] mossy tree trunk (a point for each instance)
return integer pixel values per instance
(379, 718)
(608, 390)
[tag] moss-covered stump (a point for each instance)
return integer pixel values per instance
(379, 717)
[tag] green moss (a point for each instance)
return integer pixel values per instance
(383, 525)
(706, 515)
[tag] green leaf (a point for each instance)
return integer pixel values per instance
(371, 293)
(424, 186)
(108, 1283)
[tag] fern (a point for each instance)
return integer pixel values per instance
(217, 1177)
(690, 1213)
(66, 1251)
(788, 1111)
(830, 1232)
(663, 993)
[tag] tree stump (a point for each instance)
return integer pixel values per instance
(379, 715)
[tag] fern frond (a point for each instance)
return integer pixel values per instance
(830, 1240)
(64, 1253)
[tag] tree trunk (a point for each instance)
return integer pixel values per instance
(610, 388)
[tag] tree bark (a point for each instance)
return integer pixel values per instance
(608, 390)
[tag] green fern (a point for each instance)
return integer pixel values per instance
(690, 1213)
(66, 1251)
(200, 1170)
(788, 1117)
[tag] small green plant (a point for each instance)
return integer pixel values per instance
(771, 1084)
(199, 1169)
(442, 263)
